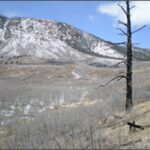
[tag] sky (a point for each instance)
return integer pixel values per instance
(96, 17)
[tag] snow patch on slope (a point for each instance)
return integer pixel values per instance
(51, 40)
(105, 49)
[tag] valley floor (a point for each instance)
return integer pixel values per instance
(59, 106)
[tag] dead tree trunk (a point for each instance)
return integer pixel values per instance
(129, 60)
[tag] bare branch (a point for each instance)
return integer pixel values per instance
(139, 29)
(123, 23)
(119, 77)
(122, 77)
(122, 9)
(124, 33)
(122, 62)
(121, 34)
(120, 43)
(132, 7)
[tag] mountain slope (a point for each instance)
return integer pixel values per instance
(48, 41)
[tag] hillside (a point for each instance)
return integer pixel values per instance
(48, 89)
(35, 41)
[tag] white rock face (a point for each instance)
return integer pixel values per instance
(52, 41)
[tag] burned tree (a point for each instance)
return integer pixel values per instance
(128, 34)
(129, 102)
(128, 62)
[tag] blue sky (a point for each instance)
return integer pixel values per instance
(96, 17)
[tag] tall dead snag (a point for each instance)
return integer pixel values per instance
(128, 62)
(129, 102)
(128, 34)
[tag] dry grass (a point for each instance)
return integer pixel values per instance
(69, 124)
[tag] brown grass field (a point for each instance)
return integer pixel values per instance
(59, 107)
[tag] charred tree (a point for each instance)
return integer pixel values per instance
(128, 34)
(128, 61)
(129, 102)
